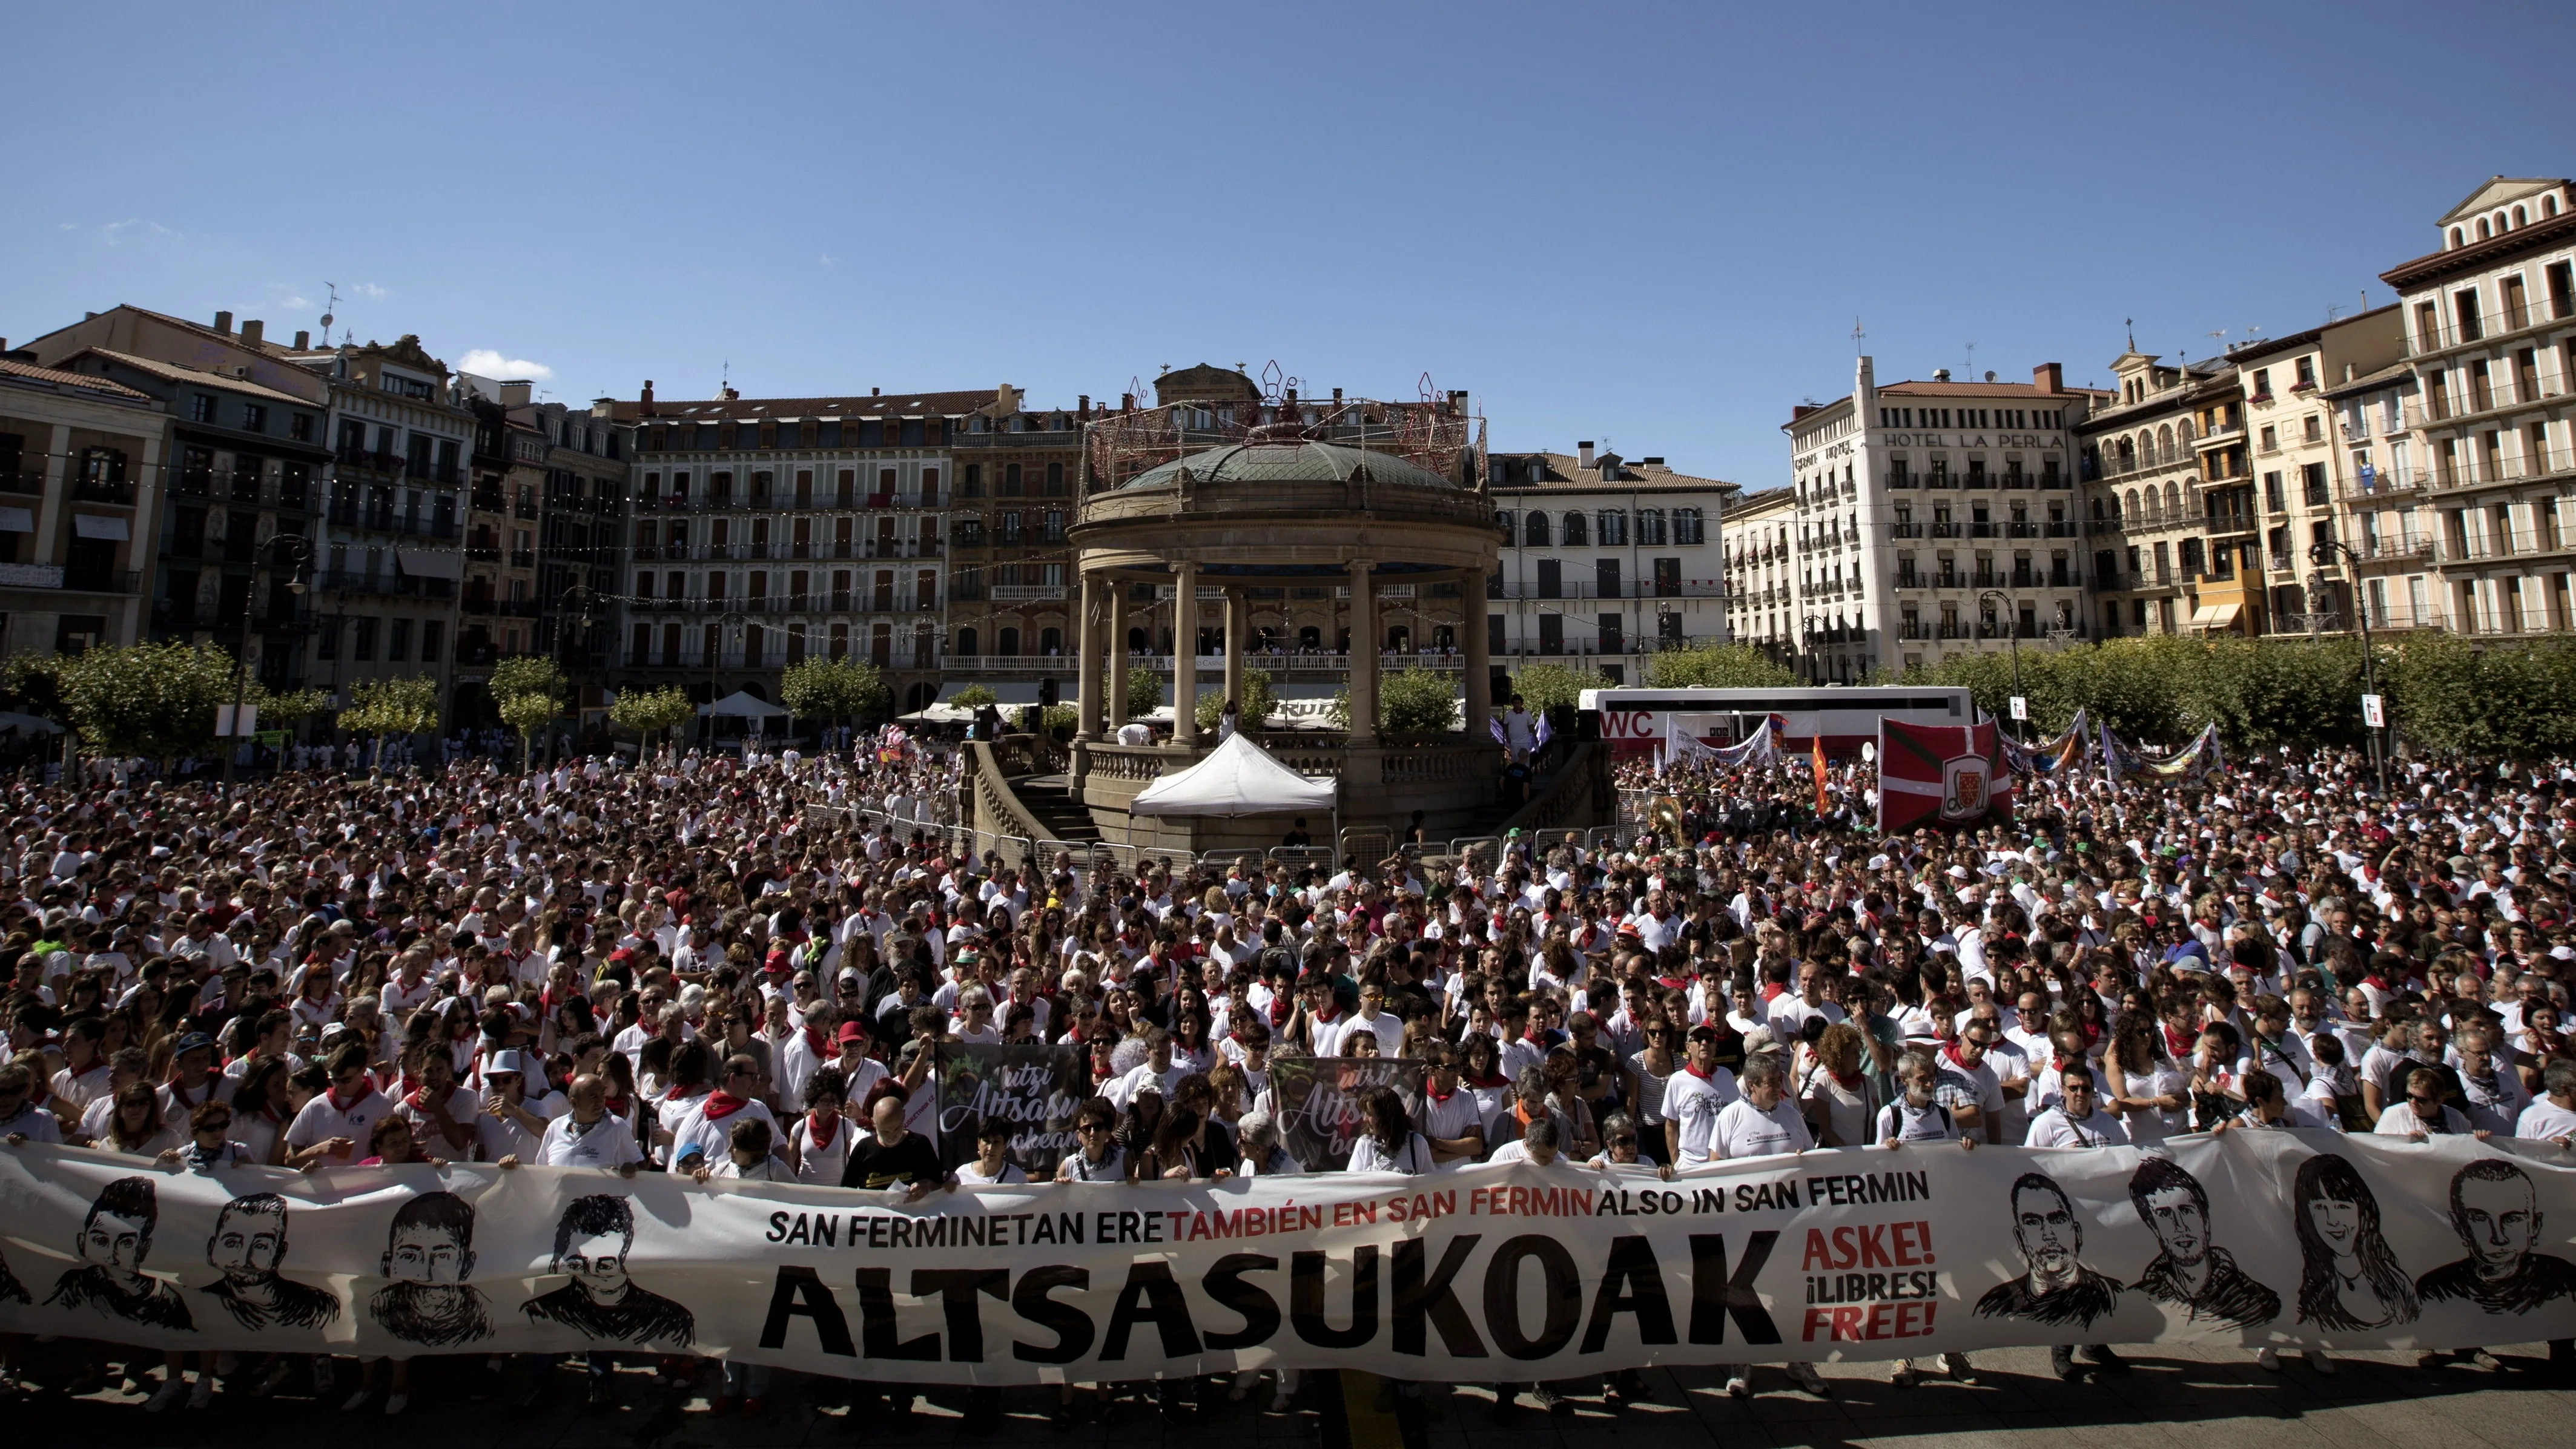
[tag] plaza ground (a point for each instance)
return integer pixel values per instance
(2172, 1399)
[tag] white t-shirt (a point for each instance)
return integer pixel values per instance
(1692, 1104)
(2545, 1120)
(1900, 1121)
(819, 1164)
(1413, 1157)
(973, 1176)
(2053, 1128)
(1744, 1130)
(609, 1142)
(690, 1130)
(497, 1137)
(323, 1119)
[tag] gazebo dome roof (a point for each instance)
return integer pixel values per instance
(1292, 461)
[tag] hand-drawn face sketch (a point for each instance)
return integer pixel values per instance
(2057, 1289)
(2189, 1271)
(114, 1240)
(249, 1243)
(2496, 1212)
(592, 1240)
(429, 1253)
(2348, 1279)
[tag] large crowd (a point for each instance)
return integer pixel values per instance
(727, 966)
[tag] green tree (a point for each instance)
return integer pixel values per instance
(1144, 692)
(293, 705)
(1258, 700)
(157, 701)
(1417, 702)
(973, 696)
(1545, 686)
(529, 691)
(651, 712)
(1716, 666)
(833, 689)
(387, 708)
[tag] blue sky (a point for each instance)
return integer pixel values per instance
(1650, 225)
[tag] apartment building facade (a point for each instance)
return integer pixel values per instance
(1604, 559)
(581, 540)
(81, 458)
(768, 530)
(1009, 617)
(1933, 517)
(2490, 337)
(1762, 607)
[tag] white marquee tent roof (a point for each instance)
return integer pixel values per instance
(1237, 778)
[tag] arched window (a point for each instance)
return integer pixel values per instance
(2456, 238)
(1576, 535)
(1008, 641)
(2128, 455)
(2131, 513)
(1139, 642)
(1399, 638)
(966, 643)
(2521, 217)
(2482, 229)
(2164, 445)
(1050, 641)
(2182, 432)
(1310, 637)
(1536, 534)
(2549, 206)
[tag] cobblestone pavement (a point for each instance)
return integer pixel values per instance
(2199, 1399)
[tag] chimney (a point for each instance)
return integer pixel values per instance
(644, 404)
(1940, 374)
(1126, 402)
(224, 323)
(732, 395)
(1583, 452)
(303, 340)
(253, 331)
(518, 392)
(876, 392)
(1082, 406)
(2048, 377)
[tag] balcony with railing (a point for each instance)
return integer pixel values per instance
(100, 490)
(2507, 326)
(353, 581)
(2230, 520)
(30, 481)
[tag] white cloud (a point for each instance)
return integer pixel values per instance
(828, 259)
(117, 232)
(371, 291)
(488, 363)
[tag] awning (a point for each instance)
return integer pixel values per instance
(99, 525)
(17, 520)
(743, 704)
(431, 563)
(2215, 616)
(1238, 778)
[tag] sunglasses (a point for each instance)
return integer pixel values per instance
(1623, 1141)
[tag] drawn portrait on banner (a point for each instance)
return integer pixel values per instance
(592, 1239)
(2055, 1287)
(115, 1237)
(248, 1245)
(2189, 1271)
(2348, 1279)
(10, 1287)
(429, 1255)
(2496, 1212)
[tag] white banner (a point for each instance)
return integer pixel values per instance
(1520, 1273)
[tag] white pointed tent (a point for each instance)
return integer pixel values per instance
(1237, 778)
(743, 704)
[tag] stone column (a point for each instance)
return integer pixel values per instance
(1234, 632)
(1086, 633)
(1185, 654)
(1363, 651)
(1117, 653)
(1480, 665)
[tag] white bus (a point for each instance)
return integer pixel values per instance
(1634, 720)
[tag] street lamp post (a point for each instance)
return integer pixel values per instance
(299, 550)
(1815, 666)
(2325, 553)
(2012, 638)
(578, 598)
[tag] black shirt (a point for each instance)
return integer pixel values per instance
(873, 1164)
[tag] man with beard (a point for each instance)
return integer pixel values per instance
(248, 1244)
(114, 1240)
(2057, 1290)
(2189, 1271)
(601, 1302)
(429, 1253)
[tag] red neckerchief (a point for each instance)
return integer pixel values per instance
(1849, 1084)
(1439, 1096)
(1281, 1006)
(420, 1103)
(339, 1106)
(814, 1043)
(1951, 1051)
(2177, 1046)
(1329, 1012)
(1487, 1082)
(722, 1104)
(822, 1136)
(1696, 1072)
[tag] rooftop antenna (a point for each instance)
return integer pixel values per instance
(329, 308)
(2132, 324)
(1856, 336)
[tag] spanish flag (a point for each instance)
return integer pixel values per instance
(1817, 740)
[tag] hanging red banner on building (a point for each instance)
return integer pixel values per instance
(1940, 775)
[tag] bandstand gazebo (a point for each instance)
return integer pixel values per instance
(1309, 532)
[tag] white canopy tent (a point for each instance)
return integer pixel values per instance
(1237, 778)
(743, 704)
